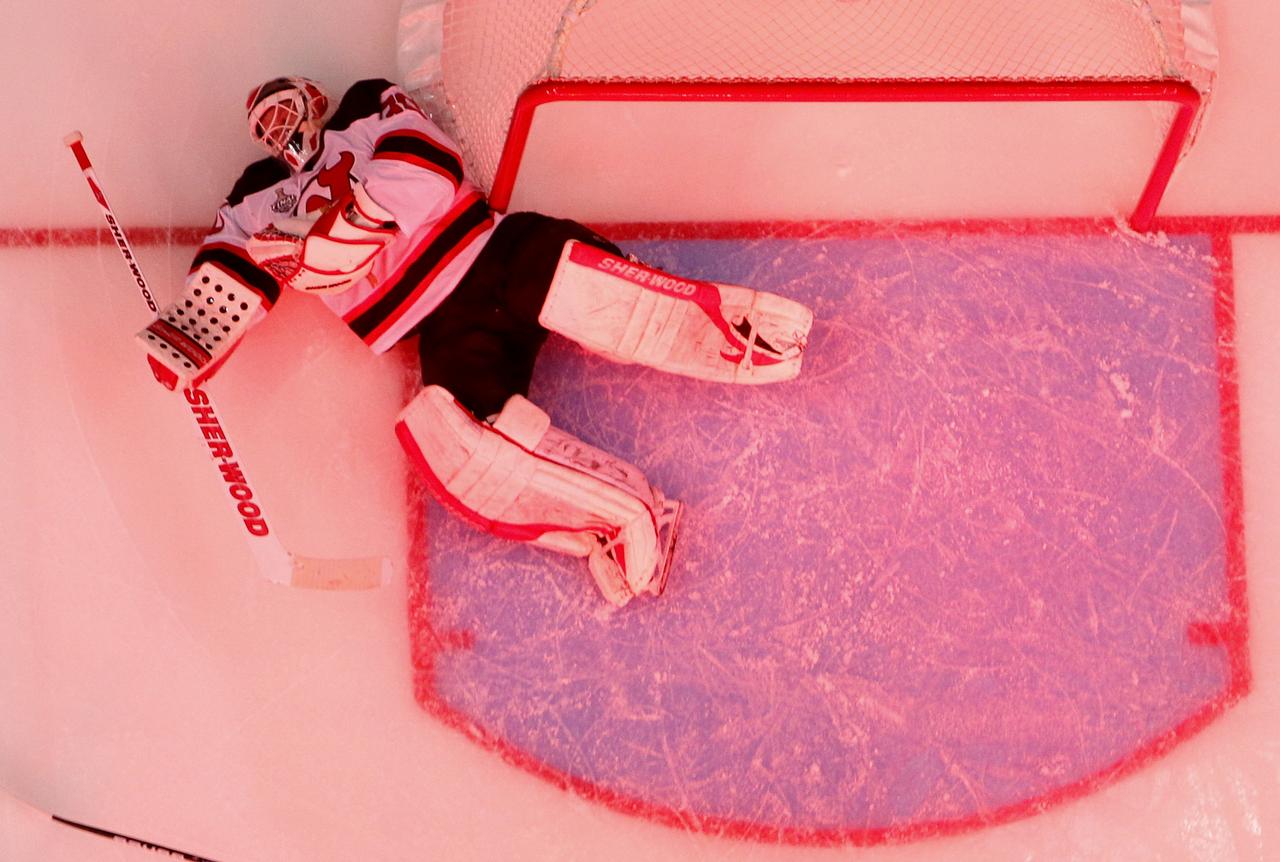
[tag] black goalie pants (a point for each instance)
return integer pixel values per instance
(482, 341)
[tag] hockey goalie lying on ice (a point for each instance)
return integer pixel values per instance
(368, 207)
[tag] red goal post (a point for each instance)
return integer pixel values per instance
(489, 69)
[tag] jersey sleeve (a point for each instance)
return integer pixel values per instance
(415, 170)
(225, 246)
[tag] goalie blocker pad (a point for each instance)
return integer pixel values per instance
(196, 332)
(629, 312)
(519, 478)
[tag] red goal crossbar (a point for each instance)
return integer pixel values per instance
(1180, 94)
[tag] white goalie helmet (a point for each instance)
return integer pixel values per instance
(286, 116)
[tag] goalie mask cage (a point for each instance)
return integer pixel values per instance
(501, 65)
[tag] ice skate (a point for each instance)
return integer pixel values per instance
(609, 563)
(668, 533)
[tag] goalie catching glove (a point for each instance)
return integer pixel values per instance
(331, 254)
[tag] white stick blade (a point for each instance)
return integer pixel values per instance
(351, 574)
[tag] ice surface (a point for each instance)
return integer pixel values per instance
(1010, 584)
(151, 685)
(958, 569)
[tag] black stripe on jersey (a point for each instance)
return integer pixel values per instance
(416, 148)
(363, 99)
(245, 270)
(438, 250)
(262, 174)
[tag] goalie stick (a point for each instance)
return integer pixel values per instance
(31, 812)
(128, 839)
(273, 559)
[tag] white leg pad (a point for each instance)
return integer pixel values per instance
(629, 312)
(521, 479)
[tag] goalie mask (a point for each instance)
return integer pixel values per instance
(285, 118)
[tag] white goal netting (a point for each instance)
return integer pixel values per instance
(470, 60)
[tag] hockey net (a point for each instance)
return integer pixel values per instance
(476, 60)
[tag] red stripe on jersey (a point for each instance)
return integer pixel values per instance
(394, 277)
(394, 280)
(419, 149)
(419, 135)
(426, 282)
(419, 162)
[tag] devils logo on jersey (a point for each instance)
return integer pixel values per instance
(336, 179)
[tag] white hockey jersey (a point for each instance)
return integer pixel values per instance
(408, 166)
